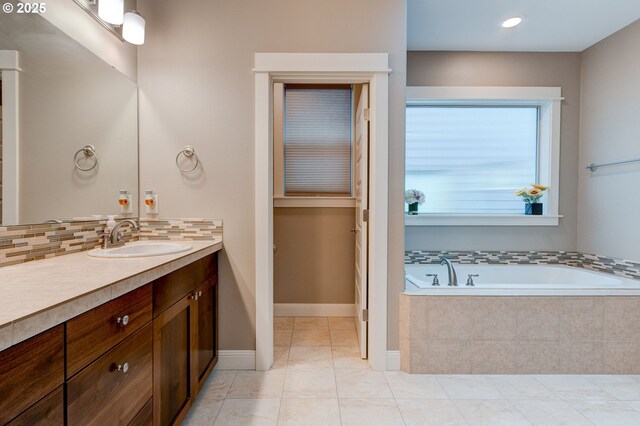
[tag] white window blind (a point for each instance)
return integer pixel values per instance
(317, 141)
(470, 159)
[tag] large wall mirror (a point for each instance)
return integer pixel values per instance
(68, 98)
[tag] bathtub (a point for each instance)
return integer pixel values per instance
(518, 280)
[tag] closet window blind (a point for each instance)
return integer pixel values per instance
(470, 159)
(317, 141)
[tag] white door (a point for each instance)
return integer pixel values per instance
(362, 204)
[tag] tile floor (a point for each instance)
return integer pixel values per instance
(319, 379)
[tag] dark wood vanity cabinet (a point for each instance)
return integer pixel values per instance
(184, 338)
(139, 359)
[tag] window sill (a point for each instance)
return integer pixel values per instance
(344, 202)
(432, 219)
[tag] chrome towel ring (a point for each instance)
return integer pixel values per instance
(188, 152)
(89, 151)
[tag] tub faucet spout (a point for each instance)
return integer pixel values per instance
(453, 278)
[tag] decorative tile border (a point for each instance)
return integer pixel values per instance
(605, 264)
(180, 229)
(24, 243)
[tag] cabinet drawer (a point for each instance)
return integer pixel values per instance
(172, 287)
(29, 371)
(144, 416)
(103, 393)
(49, 411)
(93, 333)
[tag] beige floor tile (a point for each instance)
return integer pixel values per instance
(257, 384)
(309, 412)
(254, 412)
(309, 358)
(490, 413)
(574, 388)
(357, 383)
(520, 387)
(625, 388)
(310, 384)
(311, 337)
(409, 386)
(282, 338)
(203, 412)
(283, 323)
(280, 358)
(346, 357)
(547, 413)
(217, 385)
(425, 412)
(370, 412)
(634, 404)
(468, 387)
(342, 338)
(342, 323)
(311, 323)
(608, 413)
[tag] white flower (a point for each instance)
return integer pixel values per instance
(414, 196)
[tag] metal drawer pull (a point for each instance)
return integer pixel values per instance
(196, 295)
(123, 320)
(123, 368)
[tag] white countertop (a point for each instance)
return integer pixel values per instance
(38, 295)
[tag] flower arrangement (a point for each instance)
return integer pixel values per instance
(531, 195)
(414, 196)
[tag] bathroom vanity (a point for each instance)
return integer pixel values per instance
(139, 358)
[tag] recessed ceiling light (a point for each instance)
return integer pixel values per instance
(512, 22)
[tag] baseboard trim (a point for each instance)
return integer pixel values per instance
(236, 360)
(393, 360)
(313, 309)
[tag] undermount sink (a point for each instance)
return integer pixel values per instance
(141, 249)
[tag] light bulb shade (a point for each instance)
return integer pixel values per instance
(111, 11)
(133, 28)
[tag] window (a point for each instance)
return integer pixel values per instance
(317, 141)
(470, 149)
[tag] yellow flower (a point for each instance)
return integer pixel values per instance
(533, 192)
(540, 187)
(520, 192)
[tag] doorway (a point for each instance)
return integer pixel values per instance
(322, 69)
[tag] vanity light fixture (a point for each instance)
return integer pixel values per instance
(111, 11)
(133, 27)
(512, 22)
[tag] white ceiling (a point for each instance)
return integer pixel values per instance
(548, 25)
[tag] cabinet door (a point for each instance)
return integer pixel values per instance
(207, 354)
(49, 411)
(174, 379)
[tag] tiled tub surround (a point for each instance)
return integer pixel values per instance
(621, 267)
(24, 243)
(36, 296)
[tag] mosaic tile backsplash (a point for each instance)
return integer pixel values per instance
(180, 229)
(605, 264)
(24, 243)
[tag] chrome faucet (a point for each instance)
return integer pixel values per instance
(113, 235)
(453, 278)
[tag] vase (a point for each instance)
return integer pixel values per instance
(413, 208)
(534, 209)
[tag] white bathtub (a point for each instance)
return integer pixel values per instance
(518, 280)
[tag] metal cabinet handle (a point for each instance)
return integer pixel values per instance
(123, 368)
(200, 293)
(123, 320)
(354, 230)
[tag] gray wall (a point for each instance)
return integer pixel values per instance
(610, 131)
(197, 87)
(507, 69)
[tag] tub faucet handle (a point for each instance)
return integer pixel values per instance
(470, 279)
(435, 279)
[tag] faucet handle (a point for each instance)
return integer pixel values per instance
(470, 279)
(435, 279)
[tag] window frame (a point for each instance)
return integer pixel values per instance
(548, 100)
